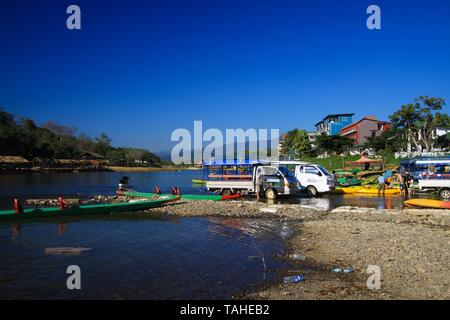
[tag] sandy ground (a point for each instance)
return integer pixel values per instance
(410, 247)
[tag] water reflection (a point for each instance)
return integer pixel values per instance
(136, 257)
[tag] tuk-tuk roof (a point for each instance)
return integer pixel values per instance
(246, 162)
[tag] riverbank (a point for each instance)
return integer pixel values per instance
(100, 169)
(409, 246)
(145, 169)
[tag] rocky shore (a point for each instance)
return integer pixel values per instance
(410, 247)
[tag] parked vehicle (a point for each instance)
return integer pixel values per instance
(242, 177)
(313, 178)
(431, 174)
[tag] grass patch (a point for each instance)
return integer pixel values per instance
(339, 162)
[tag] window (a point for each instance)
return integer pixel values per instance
(312, 170)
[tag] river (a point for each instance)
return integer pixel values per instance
(137, 256)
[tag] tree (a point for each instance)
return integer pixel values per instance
(443, 141)
(296, 143)
(102, 144)
(389, 141)
(419, 120)
(333, 144)
(59, 129)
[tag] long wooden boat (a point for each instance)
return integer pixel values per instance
(91, 209)
(211, 197)
(428, 203)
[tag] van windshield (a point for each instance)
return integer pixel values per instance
(325, 171)
(286, 172)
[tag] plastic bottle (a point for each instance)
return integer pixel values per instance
(297, 256)
(293, 279)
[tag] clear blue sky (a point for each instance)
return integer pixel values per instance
(139, 69)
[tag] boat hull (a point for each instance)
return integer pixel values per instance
(87, 209)
(428, 203)
(375, 191)
(185, 197)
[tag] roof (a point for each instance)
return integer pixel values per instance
(335, 115)
(362, 119)
(13, 159)
(435, 162)
(93, 154)
(288, 162)
(232, 162)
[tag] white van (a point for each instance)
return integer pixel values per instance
(313, 178)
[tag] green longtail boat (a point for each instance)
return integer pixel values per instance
(135, 194)
(92, 209)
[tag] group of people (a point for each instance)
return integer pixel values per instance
(404, 178)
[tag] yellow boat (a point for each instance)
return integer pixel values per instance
(375, 191)
(428, 203)
(344, 190)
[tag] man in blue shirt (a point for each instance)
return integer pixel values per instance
(381, 184)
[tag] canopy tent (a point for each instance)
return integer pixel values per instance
(366, 162)
(363, 160)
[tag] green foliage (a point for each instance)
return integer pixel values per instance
(333, 144)
(54, 141)
(420, 119)
(388, 142)
(443, 141)
(296, 143)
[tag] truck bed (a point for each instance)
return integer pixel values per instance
(238, 185)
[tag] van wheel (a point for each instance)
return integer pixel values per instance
(270, 194)
(444, 193)
(227, 192)
(311, 191)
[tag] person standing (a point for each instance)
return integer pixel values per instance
(258, 185)
(381, 184)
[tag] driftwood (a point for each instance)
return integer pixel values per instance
(65, 250)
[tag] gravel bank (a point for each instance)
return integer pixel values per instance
(411, 248)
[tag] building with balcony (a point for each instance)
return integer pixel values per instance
(365, 128)
(333, 123)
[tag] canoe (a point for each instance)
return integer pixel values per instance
(211, 197)
(92, 209)
(375, 191)
(360, 190)
(198, 181)
(428, 203)
(344, 190)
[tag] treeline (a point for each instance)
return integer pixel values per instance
(24, 138)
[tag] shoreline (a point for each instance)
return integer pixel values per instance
(410, 247)
(106, 169)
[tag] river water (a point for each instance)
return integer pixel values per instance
(138, 256)
(132, 256)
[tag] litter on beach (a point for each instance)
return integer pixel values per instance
(342, 270)
(296, 256)
(293, 279)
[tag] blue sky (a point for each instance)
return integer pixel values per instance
(139, 69)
